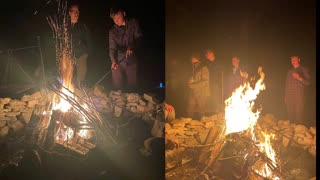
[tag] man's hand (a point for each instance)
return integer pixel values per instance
(128, 53)
(244, 74)
(114, 66)
(296, 76)
(168, 107)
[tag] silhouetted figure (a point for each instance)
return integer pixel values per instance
(235, 77)
(214, 102)
(297, 79)
(198, 87)
(124, 42)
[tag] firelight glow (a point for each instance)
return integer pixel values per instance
(239, 116)
(239, 113)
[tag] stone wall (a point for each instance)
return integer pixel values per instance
(193, 132)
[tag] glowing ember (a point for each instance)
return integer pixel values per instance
(240, 116)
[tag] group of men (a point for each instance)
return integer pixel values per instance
(124, 40)
(207, 90)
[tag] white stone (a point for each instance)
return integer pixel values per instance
(209, 124)
(300, 129)
(26, 116)
(12, 114)
(132, 104)
(195, 123)
(167, 126)
(133, 97)
(32, 103)
(308, 135)
(175, 131)
(312, 130)
(190, 133)
(5, 119)
(2, 123)
(121, 104)
(313, 151)
(285, 141)
(17, 108)
(4, 100)
(17, 103)
(134, 109)
(142, 102)
(147, 97)
(117, 111)
(6, 110)
(98, 91)
(141, 108)
(36, 95)
(26, 98)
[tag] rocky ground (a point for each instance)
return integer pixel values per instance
(123, 161)
(295, 146)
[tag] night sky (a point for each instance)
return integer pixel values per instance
(263, 33)
(23, 21)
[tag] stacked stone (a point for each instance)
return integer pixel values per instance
(16, 114)
(193, 132)
(117, 102)
(286, 132)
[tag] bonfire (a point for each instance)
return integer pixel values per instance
(70, 117)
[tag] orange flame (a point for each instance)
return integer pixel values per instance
(239, 113)
(65, 64)
(240, 116)
(265, 146)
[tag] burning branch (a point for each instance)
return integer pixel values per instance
(91, 115)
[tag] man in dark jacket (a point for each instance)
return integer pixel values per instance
(198, 86)
(235, 77)
(214, 102)
(124, 39)
(297, 79)
(81, 43)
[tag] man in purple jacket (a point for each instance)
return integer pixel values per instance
(297, 79)
(124, 40)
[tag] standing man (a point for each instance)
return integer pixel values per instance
(198, 87)
(81, 44)
(235, 77)
(297, 79)
(215, 100)
(124, 40)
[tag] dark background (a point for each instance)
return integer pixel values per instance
(23, 21)
(263, 33)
